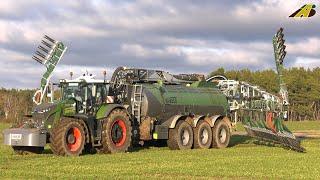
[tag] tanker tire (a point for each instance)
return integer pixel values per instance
(60, 134)
(22, 150)
(202, 135)
(117, 132)
(182, 131)
(221, 134)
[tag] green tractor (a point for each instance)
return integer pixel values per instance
(63, 123)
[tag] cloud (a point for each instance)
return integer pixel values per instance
(307, 62)
(307, 47)
(177, 36)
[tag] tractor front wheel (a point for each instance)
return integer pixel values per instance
(117, 132)
(68, 138)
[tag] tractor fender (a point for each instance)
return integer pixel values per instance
(171, 122)
(196, 119)
(213, 119)
(106, 109)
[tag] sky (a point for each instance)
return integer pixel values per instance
(174, 35)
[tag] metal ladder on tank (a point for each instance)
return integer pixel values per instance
(137, 100)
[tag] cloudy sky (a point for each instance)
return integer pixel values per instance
(176, 36)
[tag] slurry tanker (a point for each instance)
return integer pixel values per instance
(137, 105)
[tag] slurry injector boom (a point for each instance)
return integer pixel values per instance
(262, 113)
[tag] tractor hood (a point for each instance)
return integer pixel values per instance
(41, 112)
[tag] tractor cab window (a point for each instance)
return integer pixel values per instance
(70, 90)
(101, 93)
(87, 95)
(81, 92)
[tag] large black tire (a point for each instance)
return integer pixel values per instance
(68, 138)
(181, 137)
(221, 134)
(202, 135)
(27, 150)
(117, 132)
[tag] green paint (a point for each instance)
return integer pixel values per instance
(102, 111)
(51, 63)
(199, 94)
(63, 108)
(203, 84)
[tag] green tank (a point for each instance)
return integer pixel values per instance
(164, 101)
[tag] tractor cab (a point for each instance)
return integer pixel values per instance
(85, 93)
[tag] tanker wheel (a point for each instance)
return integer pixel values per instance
(27, 150)
(181, 137)
(220, 134)
(68, 138)
(117, 132)
(202, 135)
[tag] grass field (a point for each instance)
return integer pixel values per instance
(244, 159)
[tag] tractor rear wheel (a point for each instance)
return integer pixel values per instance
(68, 138)
(27, 150)
(221, 134)
(202, 135)
(117, 132)
(181, 137)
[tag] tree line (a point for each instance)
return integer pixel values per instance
(303, 88)
(14, 103)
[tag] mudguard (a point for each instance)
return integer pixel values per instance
(171, 122)
(106, 109)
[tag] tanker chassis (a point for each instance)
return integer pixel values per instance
(136, 105)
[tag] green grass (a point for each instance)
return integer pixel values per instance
(245, 159)
(303, 125)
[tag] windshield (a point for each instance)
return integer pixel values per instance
(83, 92)
(70, 90)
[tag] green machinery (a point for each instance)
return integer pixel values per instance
(261, 113)
(49, 54)
(136, 105)
(78, 98)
